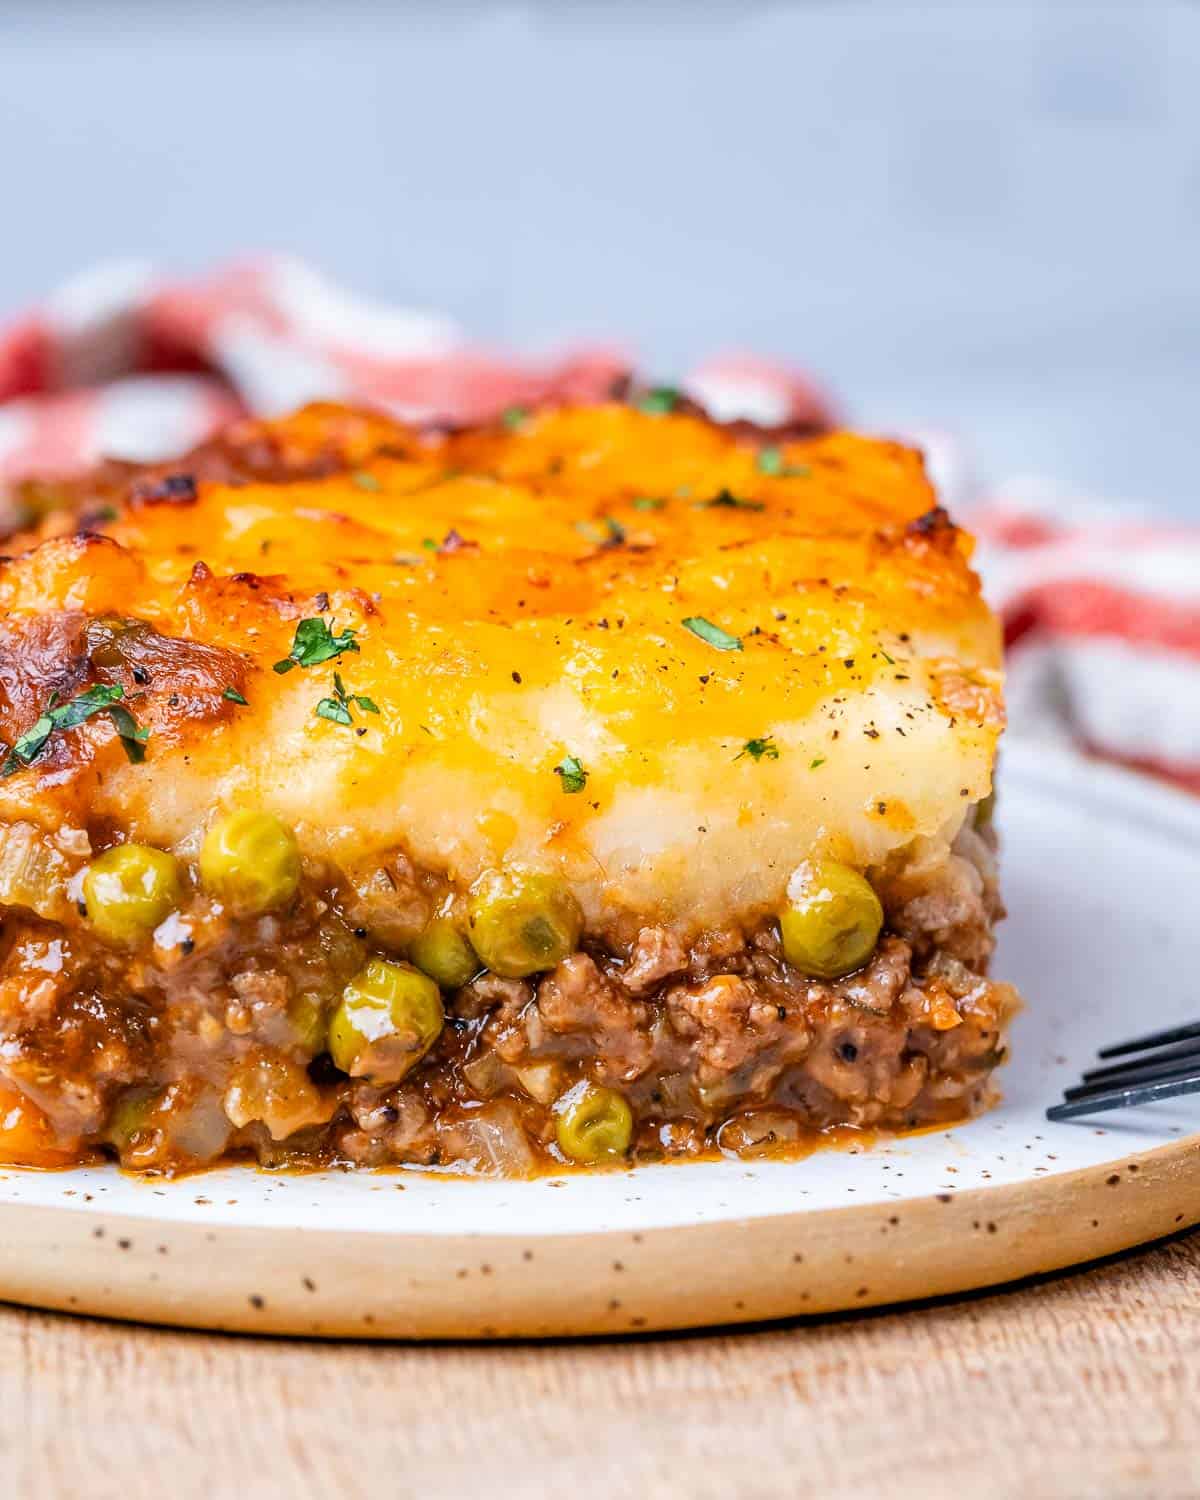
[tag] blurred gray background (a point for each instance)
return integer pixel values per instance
(981, 217)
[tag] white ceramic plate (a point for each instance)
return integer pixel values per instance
(1103, 938)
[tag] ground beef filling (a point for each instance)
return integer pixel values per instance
(206, 1049)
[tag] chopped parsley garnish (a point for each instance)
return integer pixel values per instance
(233, 696)
(59, 716)
(571, 773)
(337, 708)
(133, 739)
(760, 749)
(726, 500)
(819, 761)
(648, 502)
(333, 710)
(770, 461)
(712, 634)
(366, 481)
(429, 544)
(514, 417)
(314, 643)
(659, 400)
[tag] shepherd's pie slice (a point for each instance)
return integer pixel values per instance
(601, 784)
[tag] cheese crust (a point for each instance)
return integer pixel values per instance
(520, 596)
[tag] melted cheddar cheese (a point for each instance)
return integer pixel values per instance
(519, 598)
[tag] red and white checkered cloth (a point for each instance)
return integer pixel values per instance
(1102, 611)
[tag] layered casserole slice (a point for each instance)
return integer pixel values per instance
(601, 785)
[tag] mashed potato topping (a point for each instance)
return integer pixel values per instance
(629, 647)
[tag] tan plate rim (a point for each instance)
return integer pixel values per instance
(371, 1284)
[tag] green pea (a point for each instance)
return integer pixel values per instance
(129, 1116)
(521, 923)
(833, 921)
(129, 889)
(250, 861)
(444, 954)
(592, 1123)
(389, 1016)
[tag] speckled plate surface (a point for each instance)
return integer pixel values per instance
(1100, 869)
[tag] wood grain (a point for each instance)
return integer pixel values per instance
(1079, 1385)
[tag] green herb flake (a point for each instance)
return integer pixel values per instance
(314, 643)
(30, 744)
(335, 712)
(429, 544)
(659, 400)
(726, 500)
(711, 634)
(513, 418)
(94, 701)
(571, 773)
(760, 749)
(770, 461)
(819, 761)
(337, 708)
(133, 739)
(648, 502)
(367, 481)
(62, 716)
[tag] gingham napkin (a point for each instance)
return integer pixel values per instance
(1102, 610)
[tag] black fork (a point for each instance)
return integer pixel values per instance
(1160, 1066)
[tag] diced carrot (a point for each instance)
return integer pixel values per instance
(26, 1139)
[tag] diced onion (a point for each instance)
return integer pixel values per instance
(198, 1127)
(33, 874)
(541, 1081)
(759, 1132)
(278, 1092)
(491, 1140)
(486, 1075)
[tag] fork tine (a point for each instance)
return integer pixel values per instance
(1173, 1055)
(1128, 1077)
(1155, 1039)
(1125, 1098)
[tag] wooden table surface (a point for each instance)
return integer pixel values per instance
(1085, 1384)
